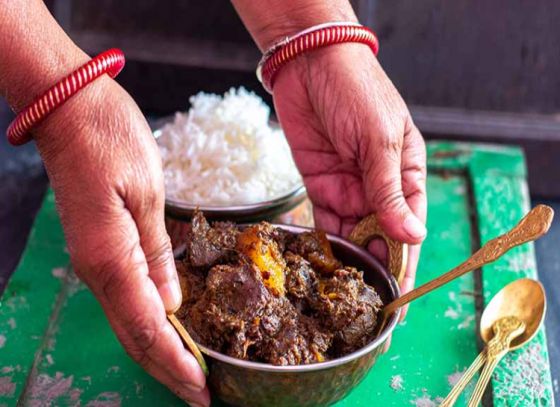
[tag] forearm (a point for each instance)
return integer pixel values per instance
(34, 51)
(268, 21)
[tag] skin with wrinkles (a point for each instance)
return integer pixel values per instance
(350, 132)
(355, 144)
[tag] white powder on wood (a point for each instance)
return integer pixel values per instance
(454, 378)
(523, 376)
(466, 322)
(58, 272)
(451, 313)
(12, 323)
(424, 401)
(397, 383)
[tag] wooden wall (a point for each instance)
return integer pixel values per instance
(457, 63)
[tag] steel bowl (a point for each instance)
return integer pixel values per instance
(243, 383)
(239, 213)
(264, 210)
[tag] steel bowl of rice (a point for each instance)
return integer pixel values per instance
(225, 157)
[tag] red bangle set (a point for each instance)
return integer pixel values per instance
(312, 38)
(110, 62)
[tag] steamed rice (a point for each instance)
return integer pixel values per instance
(223, 152)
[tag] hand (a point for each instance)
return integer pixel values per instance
(106, 172)
(355, 144)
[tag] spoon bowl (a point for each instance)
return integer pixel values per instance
(524, 299)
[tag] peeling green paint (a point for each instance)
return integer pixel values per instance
(54, 334)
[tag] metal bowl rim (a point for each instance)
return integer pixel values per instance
(330, 363)
(295, 193)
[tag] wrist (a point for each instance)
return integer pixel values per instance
(316, 69)
(29, 76)
(273, 22)
(66, 126)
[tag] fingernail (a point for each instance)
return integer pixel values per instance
(171, 296)
(195, 404)
(414, 227)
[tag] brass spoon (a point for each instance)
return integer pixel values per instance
(523, 299)
(533, 225)
(527, 300)
(191, 344)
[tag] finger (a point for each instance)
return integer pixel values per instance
(148, 214)
(326, 220)
(383, 185)
(132, 303)
(413, 168)
(185, 390)
(414, 188)
(387, 344)
(378, 248)
(409, 278)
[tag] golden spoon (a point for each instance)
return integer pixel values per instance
(533, 225)
(524, 300)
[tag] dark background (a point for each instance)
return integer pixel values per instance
(474, 70)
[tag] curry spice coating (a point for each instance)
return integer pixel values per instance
(270, 296)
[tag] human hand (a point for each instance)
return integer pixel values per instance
(355, 144)
(106, 172)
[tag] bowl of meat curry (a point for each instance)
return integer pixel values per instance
(285, 315)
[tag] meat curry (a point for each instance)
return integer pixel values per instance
(263, 294)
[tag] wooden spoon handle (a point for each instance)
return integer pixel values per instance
(535, 224)
(367, 230)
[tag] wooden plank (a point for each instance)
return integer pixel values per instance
(178, 51)
(537, 134)
(472, 55)
(500, 199)
(79, 357)
(27, 304)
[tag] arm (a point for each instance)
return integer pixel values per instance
(269, 21)
(106, 172)
(351, 134)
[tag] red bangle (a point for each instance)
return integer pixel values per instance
(315, 37)
(110, 62)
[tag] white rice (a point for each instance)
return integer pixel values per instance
(223, 152)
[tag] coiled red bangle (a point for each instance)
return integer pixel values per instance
(110, 62)
(315, 37)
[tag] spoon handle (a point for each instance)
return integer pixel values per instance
(483, 381)
(188, 340)
(506, 330)
(535, 224)
(475, 366)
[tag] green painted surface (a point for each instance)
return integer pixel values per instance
(29, 300)
(49, 321)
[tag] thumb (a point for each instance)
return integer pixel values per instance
(155, 242)
(384, 191)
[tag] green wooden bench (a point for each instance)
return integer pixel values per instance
(56, 348)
